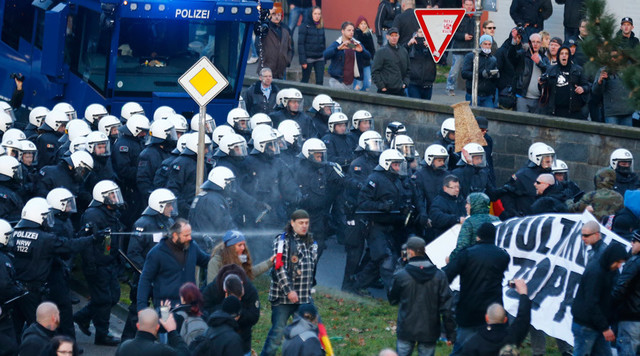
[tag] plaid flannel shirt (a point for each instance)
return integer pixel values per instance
(297, 272)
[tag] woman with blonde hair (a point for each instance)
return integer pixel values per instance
(233, 250)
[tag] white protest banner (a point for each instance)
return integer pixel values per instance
(440, 248)
(548, 253)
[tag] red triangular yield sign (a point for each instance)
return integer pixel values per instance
(438, 26)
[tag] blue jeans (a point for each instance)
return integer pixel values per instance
(405, 348)
(464, 334)
(294, 15)
(628, 338)
(619, 120)
(420, 92)
(483, 101)
(456, 64)
(587, 341)
(279, 316)
(254, 53)
(365, 83)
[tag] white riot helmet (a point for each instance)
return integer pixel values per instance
(209, 125)
(77, 128)
(291, 131)
(474, 150)
(390, 156)
(98, 144)
(163, 112)
(219, 177)
(161, 131)
(259, 119)
(370, 141)
(434, 152)
(293, 95)
(394, 128)
(107, 123)
(280, 97)
(179, 123)
(13, 135)
(129, 109)
(35, 213)
(37, 115)
(559, 166)
(337, 119)
(181, 144)
(5, 232)
(5, 121)
(239, 120)
(95, 112)
(82, 164)
(404, 144)
(621, 155)
(233, 145)
(315, 151)
(78, 144)
(282, 142)
(136, 124)
(220, 132)
(54, 120)
(28, 148)
(539, 150)
(362, 116)
(448, 126)
(162, 201)
(266, 142)
(11, 147)
(322, 101)
(191, 144)
(62, 200)
(6, 107)
(260, 129)
(108, 193)
(66, 109)
(10, 169)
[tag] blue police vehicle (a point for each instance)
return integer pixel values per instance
(114, 51)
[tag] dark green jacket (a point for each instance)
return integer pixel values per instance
(479, 215)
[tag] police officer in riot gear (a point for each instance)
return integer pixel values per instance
(67, 110)
(163, 112)
(129, 109)
(218, 134)
(238, 119)
(211, 212)
(182, 173)
(361, 121)
(209, 124)
(63, 204)
(568, 187)
(269, 179)
(110, 125)
(99, 147)
(93, 114)
(100, 262)
(125, 155)
(393, 129)
(74, 128)
(472, 172)
(47, 142)
(519, 193)
(34, 248)
(292, 102)
(339, 146)
(621, 161)
(160, 142)
(5, 123)
(370, 146)
(293, 136)
(419, 220)
(71, 173)
(154, 223)
(317, 180)
(10, 181)
(322, 107)
(434, 169)
(9, 289)
(180, 124)
(36, 118)
(162, 174)
(28, 157)
(447, 139)
(386, 200)
(259, 119)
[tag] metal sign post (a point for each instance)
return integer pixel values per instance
(476, 54)
(203, 82)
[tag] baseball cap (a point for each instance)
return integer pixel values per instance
(557, 40)
(392, 30)
(627, 19)
(415, 243)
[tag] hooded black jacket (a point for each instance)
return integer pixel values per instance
(220, 339)
(35, 339)
(423, 294)
(551, 201)
(626, 293)
(299, 339)
(422, 68)
(554, 77)
(445, 211)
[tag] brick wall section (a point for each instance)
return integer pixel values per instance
(584, 146)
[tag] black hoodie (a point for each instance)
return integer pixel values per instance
(220, 339)
(34, 339)
(415, 289)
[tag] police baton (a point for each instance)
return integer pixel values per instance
(15, 298)
(126, 258)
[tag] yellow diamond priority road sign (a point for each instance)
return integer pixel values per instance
(203, 81)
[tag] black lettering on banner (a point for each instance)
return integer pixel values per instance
(541, 271)
(504, 233)
(567, 226)
(545, 234)
(553, 287)
(532, 237)
(581, 257)
(525, 266)
(569, 293)
(520, 233)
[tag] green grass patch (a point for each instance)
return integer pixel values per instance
(442, 72)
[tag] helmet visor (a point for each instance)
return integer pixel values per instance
(17, 173)
(241, 124)
(113, 197)
(408, 151)
(374, 145)
(48, 219)
(440, 162)
(318, 156)
(622, 165)
(170, 208)
(399, 167)
(172, 135)
(71, 115)
(82, 172)
(478, 160)
(69, 205)
(282, 143)
(294, 105)
(9, 112)
(102, 149)
(238, 149)
(28, 158)
(272, 148)
(208, 126)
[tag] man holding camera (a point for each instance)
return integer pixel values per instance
(530, 64)
(488, 73)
